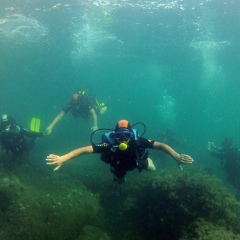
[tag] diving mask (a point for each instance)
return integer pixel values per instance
(123, 135)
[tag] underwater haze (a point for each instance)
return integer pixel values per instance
(169, 64)
(166, 63)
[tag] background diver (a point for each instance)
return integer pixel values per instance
(229, 157)
(83, 104)
(16, 139)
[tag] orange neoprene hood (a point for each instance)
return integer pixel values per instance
(123, 124)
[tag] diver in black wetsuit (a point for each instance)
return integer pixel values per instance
(83, 105)
(124, 150)
(229, 157)
(15, 138)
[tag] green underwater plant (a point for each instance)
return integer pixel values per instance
(203, 230)
(177, 205)
(35, 206)
(93, 233)
(170, 206)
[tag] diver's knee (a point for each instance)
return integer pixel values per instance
(151, 167)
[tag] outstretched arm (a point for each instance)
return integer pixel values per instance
(54, 122)
(94, 117)
(179, 158)
(53, 159)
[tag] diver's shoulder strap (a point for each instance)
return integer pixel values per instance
(136, 134)
(107, 137)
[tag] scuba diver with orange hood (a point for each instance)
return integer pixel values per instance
(84, 105)
(123, 149)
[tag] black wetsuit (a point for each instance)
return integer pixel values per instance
(18, 139)
(230, 163)
(122, 161)
(82, 106)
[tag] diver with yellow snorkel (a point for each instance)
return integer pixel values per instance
(124, 150)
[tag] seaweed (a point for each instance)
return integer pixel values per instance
(178, 205)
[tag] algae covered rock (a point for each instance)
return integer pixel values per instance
(176, 205)
(169, 206)
(203, 230)
(47, 210)
(93, 233)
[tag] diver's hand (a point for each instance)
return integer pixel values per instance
(48, 131)
(211, 146)
(94, 128)
(53, 159)
(183, 159)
